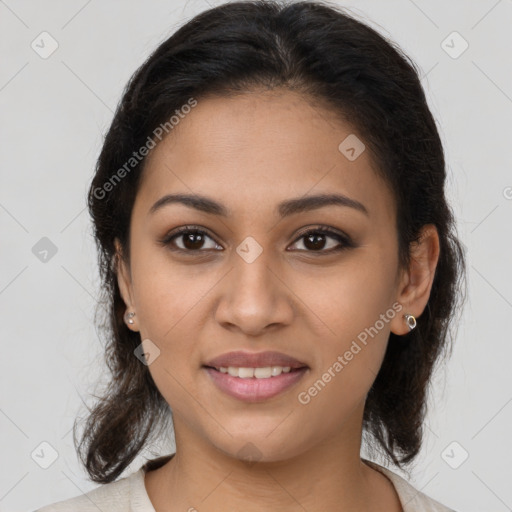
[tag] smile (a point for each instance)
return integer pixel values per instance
(259, 373)
(254, 384)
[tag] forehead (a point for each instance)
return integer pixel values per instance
(260, 148)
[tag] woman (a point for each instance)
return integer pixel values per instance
(280, 264)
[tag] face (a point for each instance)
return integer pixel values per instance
(262, 277)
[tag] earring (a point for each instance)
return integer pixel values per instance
(410, 320)
(128, 317)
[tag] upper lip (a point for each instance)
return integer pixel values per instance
(254, 360)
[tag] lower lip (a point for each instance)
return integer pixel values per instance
(252, 389)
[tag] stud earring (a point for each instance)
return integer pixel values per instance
(410, 320)
(128, 317)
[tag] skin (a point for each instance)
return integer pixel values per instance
(249, 153)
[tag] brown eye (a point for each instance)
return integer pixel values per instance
(192, 240)
(317, 240)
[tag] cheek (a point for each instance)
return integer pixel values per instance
(346, 300)
(352, 311)
(349, 362)
(168, 299)
(166, 294)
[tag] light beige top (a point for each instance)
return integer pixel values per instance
(129, 494)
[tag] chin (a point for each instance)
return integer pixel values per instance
(259, 448)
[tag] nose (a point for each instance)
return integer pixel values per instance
(254, 298)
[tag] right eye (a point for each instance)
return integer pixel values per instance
(192, 240)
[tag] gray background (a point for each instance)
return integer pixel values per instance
(54, 112)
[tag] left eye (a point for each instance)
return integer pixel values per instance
(314, 240)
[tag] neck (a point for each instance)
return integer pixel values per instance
(328, 476)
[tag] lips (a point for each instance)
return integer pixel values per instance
(253, 390)
(255, 360)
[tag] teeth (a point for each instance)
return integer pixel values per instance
(263, 373)
(258, 373)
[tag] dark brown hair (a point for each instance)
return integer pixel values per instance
(319, 50)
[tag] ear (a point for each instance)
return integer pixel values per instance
(416, 281)
(123, 279)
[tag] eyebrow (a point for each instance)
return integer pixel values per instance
(284, 209)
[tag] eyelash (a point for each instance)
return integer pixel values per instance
(323, 230)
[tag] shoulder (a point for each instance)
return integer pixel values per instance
(114, 497)
(411, 499)
(127, 494)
